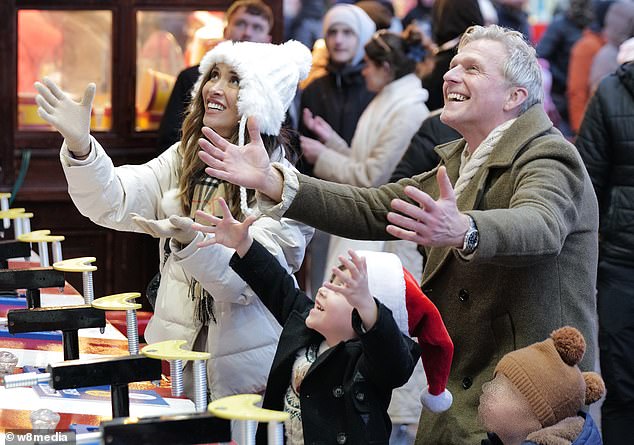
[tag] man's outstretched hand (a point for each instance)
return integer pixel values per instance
(430, 223)
(248, 166)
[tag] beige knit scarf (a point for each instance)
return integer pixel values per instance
(470, 163)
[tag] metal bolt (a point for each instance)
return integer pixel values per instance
(43, 251)
(275, 433)
(89, 291)
(25, 379)
(176, 374)
(246, 432)
(4, 205)
(133, 332)
(200, 385)
(56, 248)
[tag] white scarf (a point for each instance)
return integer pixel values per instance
(470, 163)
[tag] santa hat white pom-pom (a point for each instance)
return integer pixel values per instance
(171, 203)
(436, 404)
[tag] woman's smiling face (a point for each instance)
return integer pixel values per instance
(220, 100)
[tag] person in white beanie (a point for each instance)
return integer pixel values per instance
(340, 355)
(199, 299)
(340, 95)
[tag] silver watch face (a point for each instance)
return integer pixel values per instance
(471, 240)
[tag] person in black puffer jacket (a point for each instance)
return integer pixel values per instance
(605, 142)
(340, 95)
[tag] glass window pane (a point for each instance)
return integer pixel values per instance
(71, 47)
(168, 42)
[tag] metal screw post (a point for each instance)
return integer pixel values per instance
(43, 252)
(17, 227)
(25, 379)
(133, 332)
(26, 225)
(200, 385)
(56, 248)
(246, 432)
(176, 374)
(4, 205)
(89, 290)
(275, 433)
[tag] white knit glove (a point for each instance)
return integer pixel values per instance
(177, 227)
(70, 118)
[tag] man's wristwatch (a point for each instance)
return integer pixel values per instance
(471, 238)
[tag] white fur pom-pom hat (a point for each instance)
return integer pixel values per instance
(269, 75)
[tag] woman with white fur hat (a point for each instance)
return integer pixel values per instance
(200, 299)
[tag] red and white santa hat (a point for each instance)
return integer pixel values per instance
(417, 316)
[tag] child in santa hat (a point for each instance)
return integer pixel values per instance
(340, 356)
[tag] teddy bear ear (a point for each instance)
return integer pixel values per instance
(595, 388)
(570, 344)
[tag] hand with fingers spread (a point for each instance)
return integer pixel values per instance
(248, 166)
(317, 125)
(177, 227)
(352, 283)
(70, 118)
(226, 230)
(430, 223)
(311, 148)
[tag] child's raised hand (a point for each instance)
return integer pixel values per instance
(226, 230)
(247, 166)
(354, 287)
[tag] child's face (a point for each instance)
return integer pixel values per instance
(505, 411)
(331, 316)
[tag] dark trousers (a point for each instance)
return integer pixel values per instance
(615, 304)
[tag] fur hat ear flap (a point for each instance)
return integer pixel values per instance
(595, 388)
(570, 344)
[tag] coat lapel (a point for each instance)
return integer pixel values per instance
(297, 337)
(502, 156)
(449, 157)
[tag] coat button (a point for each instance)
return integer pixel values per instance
(463, 295)
(360, 396)
(341, 438)
(337, 392)
(467, 382)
